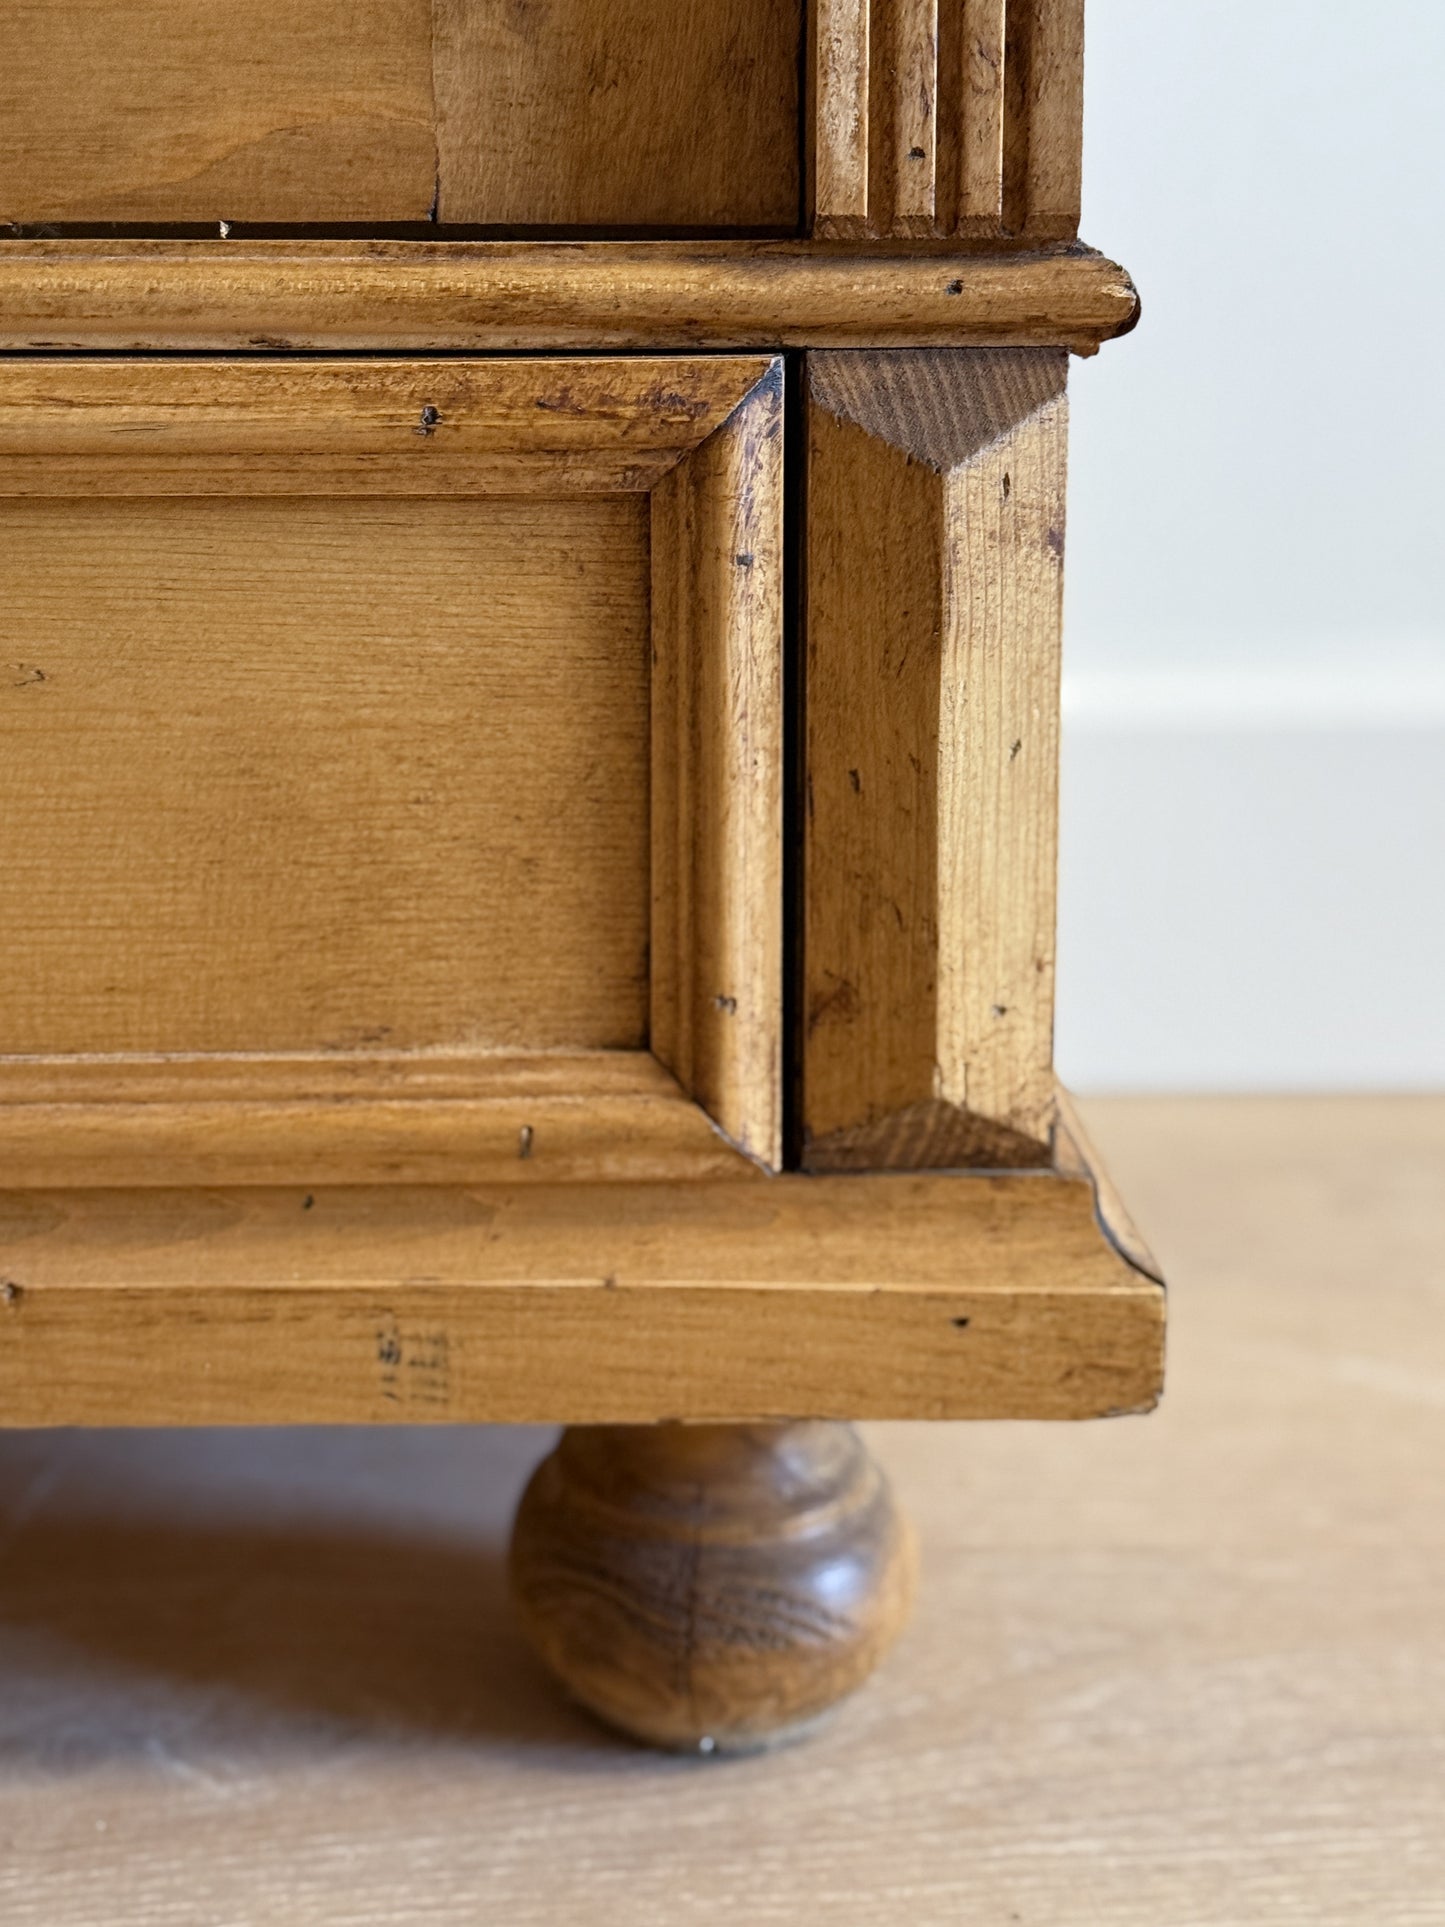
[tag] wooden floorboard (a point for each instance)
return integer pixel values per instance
(1178, 1671)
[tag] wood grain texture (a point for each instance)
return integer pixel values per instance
(1167, 1673)
(356, 1117)
(618, 113)
(934, 545)
(209, 110)
(295, 775)
(717, 781)
(586, 296)
(982, 116)
(348, 763)
(903, 116)
(946, 118)
(711, 1589)
(837, 123)
(946, 1297)
(352, 427)
(1044, 117)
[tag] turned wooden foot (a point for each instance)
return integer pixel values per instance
(711, 1587)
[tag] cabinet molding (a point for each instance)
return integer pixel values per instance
(255, 295)
(850, 1297)
(290, 981)
(946, 118)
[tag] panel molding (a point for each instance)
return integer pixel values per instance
(717, 795)
(360, 427)
(934, 586)
(420, 1117)
(703, 435)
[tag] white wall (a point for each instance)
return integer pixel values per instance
(1254, 831)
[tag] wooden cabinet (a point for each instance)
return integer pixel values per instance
(528, 771)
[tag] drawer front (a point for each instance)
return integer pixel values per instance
(392, 767)
(391, 779)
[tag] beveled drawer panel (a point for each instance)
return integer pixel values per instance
(391, 773)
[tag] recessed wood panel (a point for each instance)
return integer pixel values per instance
(312, 774)
(934, 118)
(329, 737)
(210, 110)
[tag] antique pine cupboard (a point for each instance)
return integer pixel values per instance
(530, 553)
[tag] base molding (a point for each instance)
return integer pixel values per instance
(910, 1295)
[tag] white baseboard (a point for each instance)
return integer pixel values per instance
(1252, 885)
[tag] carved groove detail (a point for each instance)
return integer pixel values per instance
(946, 119)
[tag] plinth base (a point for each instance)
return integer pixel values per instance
(711, 1587)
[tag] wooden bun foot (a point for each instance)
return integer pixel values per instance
(711, 1587)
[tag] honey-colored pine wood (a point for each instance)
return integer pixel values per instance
(717, 790)
(211, 110)
(838, 130)
(934, 544)
(359, 427)
(294, 773)
(364, 1116)
(903, 113)
(583, 296)
(1044, 118)
(925, 118)
(711, 1588)
(618, 113)
(391, 776)
(897, 1296)
(934, 118)
(982, 115)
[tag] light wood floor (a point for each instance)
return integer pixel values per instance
(1184, 1669)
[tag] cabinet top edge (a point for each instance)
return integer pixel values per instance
(72, 295)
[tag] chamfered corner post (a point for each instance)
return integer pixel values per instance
(711, 1588)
